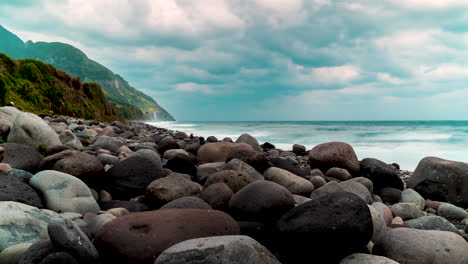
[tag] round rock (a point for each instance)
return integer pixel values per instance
(292, 182)
(334, 154)
(188, 202)
(250, 140)
(218, 196)
(236, 180)
(218, 152)
(31, 130)
(171, 187)
(360, 258)
(20, 156)
(338, 173)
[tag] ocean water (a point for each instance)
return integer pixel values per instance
(403, 142)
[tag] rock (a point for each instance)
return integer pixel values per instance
(12, 255)
(205, 170)
(431, 222)
(292, 182)
(142, 237)
(411, 196)
(64, 193)
(384, 211)
(406, 211)
(22, 157)
(397, 222)
(51, 150)
(37, 252)
(79, 164)
(106, 131)
(298, 199)
(59, 258)
(378, 222)
(171, 187)
(183, 164)
(441, 180)
(347, 186)
(171, 153)
(220, 249)
(334, 154)
(268, 145)
(243, 167)
(360, 258)
(364, 181)
(227, 139)
(96, 222)
(8, 115)
(381, 174)
(248, 139)
(130, 177)
(90, 133)
(20, 223)
(316, 172)
(107, 159)
(390, 195)
(334, 226)
(289, 164)
(5, 167)
(339, 174)
(297, 148)
(452, 212)
(255, 159)
(13, 188)
(105, 142)
(262, 201)
(187, 202)
(318, 181)
(58, 126)
(67, 236)
(433, 204)
(406, 245)
(236, 180)
(68, 138)
(132, 206)
(31, 130)
(211, 139)
(167, 143)
(118, 212)
(218, 196)
(219, 151)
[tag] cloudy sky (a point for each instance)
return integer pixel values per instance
(271, 59)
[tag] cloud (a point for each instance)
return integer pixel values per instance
(316, 58)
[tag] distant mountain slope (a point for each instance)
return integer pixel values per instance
(75, 62)
(38, 87)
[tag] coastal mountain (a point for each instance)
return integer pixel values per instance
(38, 87)
(73, 61)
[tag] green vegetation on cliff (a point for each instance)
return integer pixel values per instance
(75, 62)
(38, 87)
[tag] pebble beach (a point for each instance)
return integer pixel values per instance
(84, 191)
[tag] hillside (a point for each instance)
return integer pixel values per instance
(76, 63)
(38, 87)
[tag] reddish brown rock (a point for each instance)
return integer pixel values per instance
(218, 152)
(334, 154)
(218, 195)
(236, 180)
(142, 237)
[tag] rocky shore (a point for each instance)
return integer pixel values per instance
(81, 191)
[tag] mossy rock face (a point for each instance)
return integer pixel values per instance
(40, 88)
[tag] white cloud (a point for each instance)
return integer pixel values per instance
(193, 87)
(445, 71)
(430, 4)
(387, 78)
(339, 74)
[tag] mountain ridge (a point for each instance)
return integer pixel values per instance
(75, 62)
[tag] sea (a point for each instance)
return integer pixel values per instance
(403, 142)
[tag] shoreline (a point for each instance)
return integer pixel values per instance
(167, 191)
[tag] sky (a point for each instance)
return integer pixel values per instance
(271, 59)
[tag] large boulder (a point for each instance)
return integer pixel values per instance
(381, 174)
(64, 193)
(441, 180)
(142, 237)
(8, 115)
(79, 164)
(292, 182)
(15, 189)
(12, 255)
(31, 130)
(250, 140)
(236, 180)
(20, 156)
(262, 201)
(215, 250)
(330, 227)
(130, 177)
(219, 151)
(20, 223)
(346, 186)
(171, 187)
(406, 245)
(334, 154)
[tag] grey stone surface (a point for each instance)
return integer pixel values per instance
(31, 130)
(360, 258)
(411, 196)
(292, 182)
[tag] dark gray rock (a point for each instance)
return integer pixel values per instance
(390, 195)
(381, 174)
(188, 202)
(37, 252)
(13, 188)
(431, 222)
(59, 258)
(22, 157)
(250, 140)
(104, 142)
(131, 206)
(67, 236)
(289, 164)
